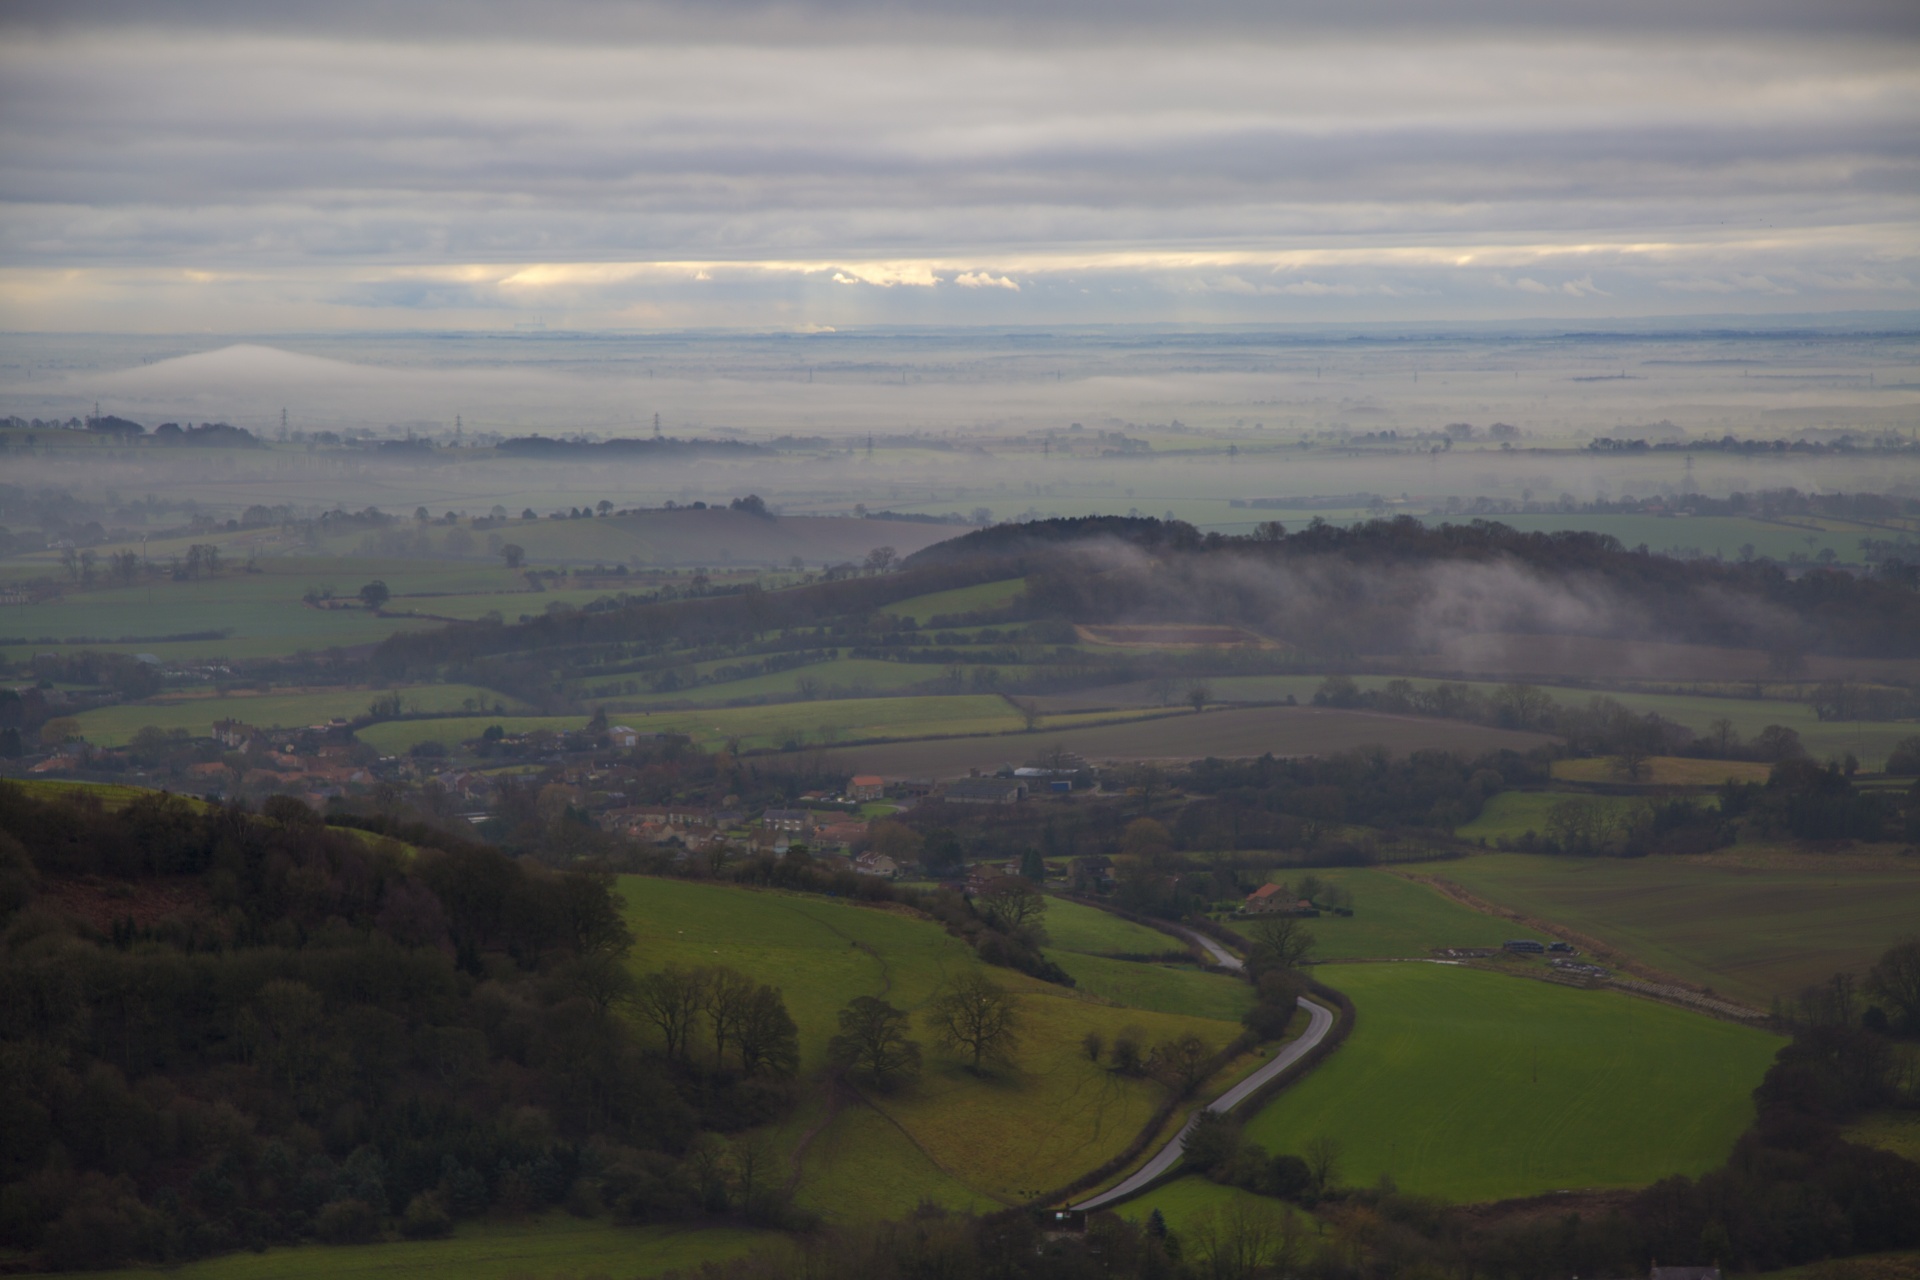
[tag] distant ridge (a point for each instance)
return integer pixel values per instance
(668, 447)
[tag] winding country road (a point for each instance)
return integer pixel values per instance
(1320, 1021)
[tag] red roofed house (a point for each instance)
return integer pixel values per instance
(1272, 898)
(867, 786)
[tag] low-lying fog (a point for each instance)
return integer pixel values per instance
(1213, 414)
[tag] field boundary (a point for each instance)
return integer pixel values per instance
(1652, 983)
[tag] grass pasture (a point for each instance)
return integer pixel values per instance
(979, 598)
(808, 722)
(114, 726)
(952, 1136)
(1473, 1086)
(1224, 732)
(1664, 771)
(1073, 927)
(1750, 923)
(1512, 814)
(550, 1246)
(1394, 917)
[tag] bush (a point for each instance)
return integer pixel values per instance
(347, 1222)
(426, 1218)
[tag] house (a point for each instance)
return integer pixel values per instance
(789, 821)
(840, 835)
(867, 786)
(625, 736)
(876, 864)
(986, 791)
(232, 733)
(1275, 899)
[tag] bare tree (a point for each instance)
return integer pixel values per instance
(1180, 1064)
(1895, 978)
(725, 995)
(671, 999)
(978, 1017)
(768, 1039)
(1012, 901)
(1281, 942)
(873, 1042)
(1323, 1162)
(1198, 695)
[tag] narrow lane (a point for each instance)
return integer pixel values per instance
(1320, 1021)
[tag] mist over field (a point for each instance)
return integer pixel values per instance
(1062, 640)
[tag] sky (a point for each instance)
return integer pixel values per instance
(279, 167)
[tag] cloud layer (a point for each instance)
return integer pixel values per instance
(660, 167)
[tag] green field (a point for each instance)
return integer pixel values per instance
(975, 599)
(115, 726)
(1163, 987)
(1394, 917)
(551, 1246)
(1473, 1086)
(1512, 814)
(808, 723)
(951, 1136)
(1189, 1204)
(1222, 731)
(1073, 927)
(1751, 924)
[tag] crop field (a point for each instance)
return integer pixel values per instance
(116, 725)
(1664, 771)
(835, 678)
(1001, 1137)
(1473, 1086)
(551, 1246)
(811, 723)
(1394, 917)
(1225, 732)
(1749, 923)
(974, 599)
(1512, 814)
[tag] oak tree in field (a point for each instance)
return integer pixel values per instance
(1012, 902)
(768, 1039)
(671, 1000)
(1280, 942)
(977, 1017)
(375, 595)
(873, 1043)
(724, 996)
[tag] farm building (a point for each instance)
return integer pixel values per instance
(867, 786)
(986, 791)
(1275, 899)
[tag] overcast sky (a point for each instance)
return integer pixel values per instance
(263, 167)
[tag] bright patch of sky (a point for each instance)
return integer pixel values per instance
(256, 167)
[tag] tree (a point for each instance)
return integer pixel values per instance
(671, 1000)
(1905, 757)
(1724, 739)
(1323, 1162)
(1777, 742)
(1145, 838)
(514, 554)
(603, 507)
(1032, 866)
(1280, 942)
(978, 1017)
(1198, 695)
(1895, 978)
(1011, 902)
(881, 559)
(768, 1039)
(59, 731)
(1029, 712)
(873, 1043)
(1180, 1064)
(375, 595)
(724, 996)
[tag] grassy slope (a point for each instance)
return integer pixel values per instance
(974, 599)
(1073, 927)
(113, 726)
(1393, 917)
(1003, 1137)
(555, 1245)
(1514, 813)
(1751, 925)
(1664, 771)
(1474, 1086)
